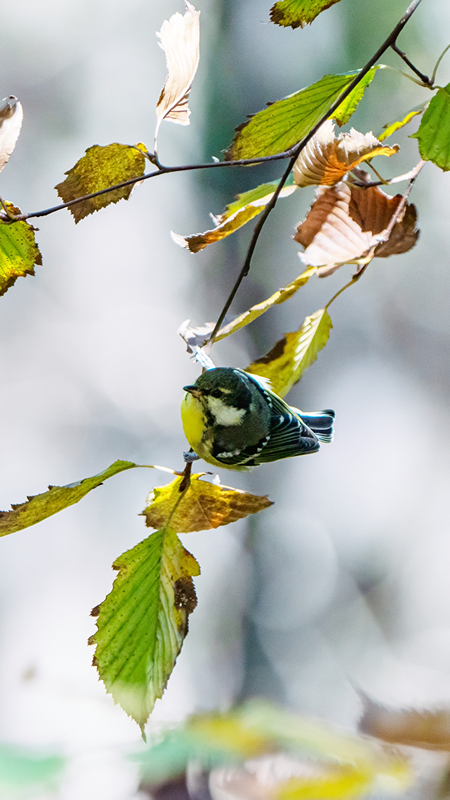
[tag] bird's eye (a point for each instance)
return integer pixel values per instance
(216, 393)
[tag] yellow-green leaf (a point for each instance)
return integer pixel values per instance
(349, 105)
(434, 131)
(246, 206)
(285, 364)
(298, 13)
(389, 129)
(143, 622)
(285, 122)
(18, 250)
(260, 308)
(99, 169)
(203, 506)
(41, 506)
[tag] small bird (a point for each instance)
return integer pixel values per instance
(231, 419)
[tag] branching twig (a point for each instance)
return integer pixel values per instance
(295, 152)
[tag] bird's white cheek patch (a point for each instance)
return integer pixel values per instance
(223, 414)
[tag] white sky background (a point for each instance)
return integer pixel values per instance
(92, 370)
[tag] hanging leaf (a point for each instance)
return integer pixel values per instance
(434, 131)
(11, 116)
(99, 169)
(285, 364)
(142, 623)
(285, 122)
(246, 206)
(204, 506)
(41, 506)
(260, 308)
(19, 252)
(327, 158)
(347, 225)
(180, 39)
(350, 104)
(429, 729)
(298, 13)
(392, 127)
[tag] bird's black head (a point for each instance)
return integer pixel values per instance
(230, 386)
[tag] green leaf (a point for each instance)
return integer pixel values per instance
(389, 129)
(285, 122)
(100, 168)
(203, 505)
(18, 250)
(298, 13)
(41, 506)
(246, 206)
(144, 620)
(292, 355)
(23, 769)
(349, 105)
(260, 308)
(434, 131)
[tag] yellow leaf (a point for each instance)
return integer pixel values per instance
(260, 308)
(203, 506)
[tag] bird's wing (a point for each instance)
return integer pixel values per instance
(289, 436)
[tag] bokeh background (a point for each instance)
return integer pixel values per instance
(343, 583)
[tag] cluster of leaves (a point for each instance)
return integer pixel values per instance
(142, 623)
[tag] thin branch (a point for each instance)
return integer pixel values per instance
(295, 152)
(424, 78)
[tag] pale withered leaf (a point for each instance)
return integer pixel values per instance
(180, 39)
(429, 729)
(327, 157)
(348, 225)
(11, 115)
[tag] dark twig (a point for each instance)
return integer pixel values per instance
(294, 152)
(424, 78)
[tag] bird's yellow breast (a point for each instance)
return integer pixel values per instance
(193, 420)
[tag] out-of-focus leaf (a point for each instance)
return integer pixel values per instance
(22, 770)
(349, 105)
(143, 622)
(434, 131)
(41, 506)
(392, 127)
(203, 506)
(327, 158)
(285, 364)
(18, 250)
(180, 39)
(260, 308)
(246, 206)
(99, 169)
(427, 729)
(298, 13)
(313, 759)
(285, 122)
(347, 225)
(11, 116)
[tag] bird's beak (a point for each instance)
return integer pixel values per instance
(194, 390)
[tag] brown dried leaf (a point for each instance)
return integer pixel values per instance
(427, 729)
(346, 225)
(327, 158)
(180, 39)
(204, 506)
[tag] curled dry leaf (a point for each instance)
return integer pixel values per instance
(348, 225)
(427, 729)
(11, 115)
(180, 39)
(327, 158)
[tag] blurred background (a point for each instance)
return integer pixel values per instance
(343, 583)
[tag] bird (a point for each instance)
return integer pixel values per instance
(234, 420)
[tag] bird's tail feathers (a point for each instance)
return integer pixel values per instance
(321, 423)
